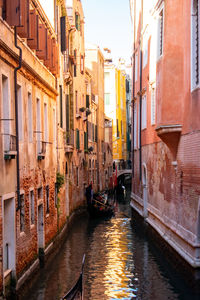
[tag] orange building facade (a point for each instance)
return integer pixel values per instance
(166, 123)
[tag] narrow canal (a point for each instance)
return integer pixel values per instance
(120, 264)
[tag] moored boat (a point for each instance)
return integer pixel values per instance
(99, 206)
(76, 292)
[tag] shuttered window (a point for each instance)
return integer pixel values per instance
(87, 101)
(117, 127)
(63, 33)
(85, 141)
(23, 30)
(144, 112)
(96, 133)
(77, 22)
(32, 41)
(195, 44)
(67, 113)
(77, 139)
(42, 45)
(160, 32)
(61, 108)
(153, 107)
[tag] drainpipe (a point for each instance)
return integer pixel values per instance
(133, 95)
(16, 119)
(141, 58)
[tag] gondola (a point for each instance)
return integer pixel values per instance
(76, 292)
(99, 206)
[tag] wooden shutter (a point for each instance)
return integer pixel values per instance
(76, 20)
(32, 41)
(23, 30)
(85, 141)
(63, 33)
(42, 45)
(47, 61)
(54, 58)
(13, 12)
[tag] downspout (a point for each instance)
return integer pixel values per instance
(16, 119)
(133, 102)
(141, 58)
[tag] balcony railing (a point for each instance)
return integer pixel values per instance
(41, 150)
(10, 148)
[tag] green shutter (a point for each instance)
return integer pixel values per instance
(85, 141)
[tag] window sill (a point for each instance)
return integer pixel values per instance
(197, 87)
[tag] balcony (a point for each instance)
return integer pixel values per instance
(78, 115)
(67, 77)
(42, 150)
(69, 142)
(170, 135)
(88, 111)
(10, 142)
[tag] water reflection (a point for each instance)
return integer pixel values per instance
(119, 264)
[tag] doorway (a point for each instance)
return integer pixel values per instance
(40, 227)
(145, 195)
(9, 235)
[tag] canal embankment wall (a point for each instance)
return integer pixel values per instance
(30, 276)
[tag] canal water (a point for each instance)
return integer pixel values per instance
(119, 264)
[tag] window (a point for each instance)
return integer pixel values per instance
(107, 99)
(136, 67)
(30, 118)
(87, 101)
(47, 199)
(38, 128)
(20, 112)
(138, 126)
(6, 112)
(144, 112)
(160, 32)
(45, 123)
(55, 195)
(195, 61)
(40, 193)
(61, 108)
(122, 132)
(77, 140)
(77, 21)
(85, 141)
(22, 213)
(153, 107)
(54, 125)
(145, 50)
(32, 207)
(76, 97)
(77, 176)
(75, 62)
(82, 64)
(67, 113)
(117, 127)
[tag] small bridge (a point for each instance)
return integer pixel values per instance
(125, 171)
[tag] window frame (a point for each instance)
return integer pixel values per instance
(195, 53)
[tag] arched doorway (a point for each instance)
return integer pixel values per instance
(145, 186)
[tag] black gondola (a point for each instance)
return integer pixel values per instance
(99, 206)
(76, 292)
